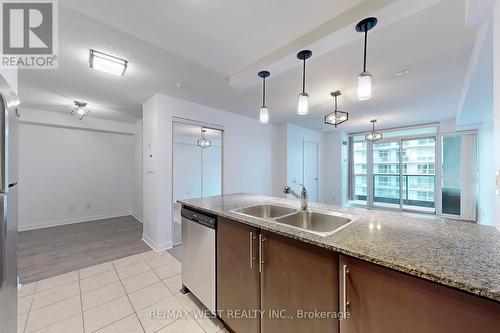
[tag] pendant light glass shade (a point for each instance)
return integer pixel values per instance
(373, 136)
(337, 117)
(264, 115)
(303, 98)
(364, 86)
(203, 142)
(303, 104)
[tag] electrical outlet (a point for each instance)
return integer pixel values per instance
(87, 206)
(72, 208)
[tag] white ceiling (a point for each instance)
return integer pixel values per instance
(201, 43)
(219, 34)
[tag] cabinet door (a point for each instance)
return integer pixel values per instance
(238, 285)
(297, 277)
(384, 301)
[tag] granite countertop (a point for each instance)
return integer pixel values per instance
(461, 255)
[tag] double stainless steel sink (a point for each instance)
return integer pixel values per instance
(323, 223)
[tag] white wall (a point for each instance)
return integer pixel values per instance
(486, 175)
(279, 158)
(137, 178)
(336, 168)
(496, 102)
(295, 156)
(247, 161)
(69, 175)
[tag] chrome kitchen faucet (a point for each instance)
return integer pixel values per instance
(302, 197)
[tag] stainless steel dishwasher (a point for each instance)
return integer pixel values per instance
(198, 255)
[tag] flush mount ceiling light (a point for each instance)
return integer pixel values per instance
(336, 117)
(365, 78)
(403, 72)
(303, 98)
(204, 142)
(264, 111)
(79, 111)
(373, 136)
(107, 63)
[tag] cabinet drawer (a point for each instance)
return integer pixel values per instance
(384, 301)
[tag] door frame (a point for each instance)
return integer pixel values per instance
(186, 121)
(304, 141)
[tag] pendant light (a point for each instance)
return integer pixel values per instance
(264, 111)
(336, 117)
(373, 136)
(303, 98)
(204, 142)
(365, 78)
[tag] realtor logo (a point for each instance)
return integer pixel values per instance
(29, 34)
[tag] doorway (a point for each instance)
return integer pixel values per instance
(404, 174)
(196, 166)
(396, 173)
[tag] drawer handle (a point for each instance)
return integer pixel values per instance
(345, 302)
(252, 256)
(261, 253)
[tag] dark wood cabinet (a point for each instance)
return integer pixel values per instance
(297, 280)
(384, 301)
(299, 288)
(238, 278)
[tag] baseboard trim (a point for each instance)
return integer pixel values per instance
(49, 224)
(156, 247)
(137, 217)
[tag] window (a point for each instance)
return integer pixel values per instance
(425, 169)
(399, 172)
(359, 177)
(402, 171)
(383, 155)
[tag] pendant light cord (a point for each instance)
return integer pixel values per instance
(366, 41)
(264, 92)
(304, 77)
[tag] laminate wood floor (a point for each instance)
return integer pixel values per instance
(48, 252)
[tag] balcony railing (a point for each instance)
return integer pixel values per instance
(408, 186)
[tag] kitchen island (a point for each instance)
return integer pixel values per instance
(450, 261)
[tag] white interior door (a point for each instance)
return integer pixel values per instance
(310, 177)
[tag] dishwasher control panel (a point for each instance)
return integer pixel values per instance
(201, 218)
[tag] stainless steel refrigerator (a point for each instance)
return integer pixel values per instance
(8, 207)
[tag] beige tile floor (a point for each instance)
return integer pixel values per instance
(114, 297)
